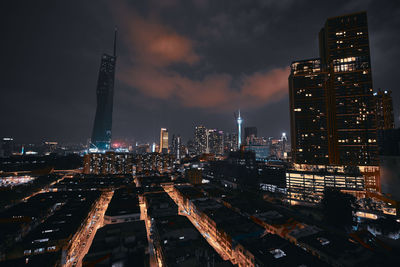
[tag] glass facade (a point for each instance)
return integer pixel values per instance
(101, 135)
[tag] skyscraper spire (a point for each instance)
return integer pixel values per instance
(115, 41)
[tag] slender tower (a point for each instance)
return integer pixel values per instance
(101, 135)
(239, 121)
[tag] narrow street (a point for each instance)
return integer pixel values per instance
(203, 231)
(84, 239)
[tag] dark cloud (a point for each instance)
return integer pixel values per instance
(181, 63)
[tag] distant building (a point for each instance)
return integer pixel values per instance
(101, 135)
(261, 151)
(332, 106)
(250, 133)
(230, 142)
(108, 163)
(215, 142)
(176, 147)
(163, 141)
(384, 110)
(7, 147)
(154, 162)
(200, 139)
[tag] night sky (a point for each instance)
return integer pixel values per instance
(181, 63)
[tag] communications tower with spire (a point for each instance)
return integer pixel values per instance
(239, 122)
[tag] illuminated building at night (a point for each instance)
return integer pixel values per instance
(215, 142)
(154, 162)
(163, 141)
(332, 111)
(250, 133)
(7, 147)
(108, 163)
(384, 110)
(176, 147)
(101, 135)
(332, 106)
(200, 139)
(230, 142)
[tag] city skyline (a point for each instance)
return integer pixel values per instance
(191, 160)
(63, 110)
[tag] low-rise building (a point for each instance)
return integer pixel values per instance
(123, 244)
(123, 207)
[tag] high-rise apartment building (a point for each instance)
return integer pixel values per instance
(176, 147)
(200, 139)
(101, 135)
(215, 142)
(108, 163)
(163, 141)
(250, 133)
(384, 110)
(230, 142)
(332, 107)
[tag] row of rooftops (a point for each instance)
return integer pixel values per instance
(37, 208)
(65, 217)
(183, 245)
(243, 232)
(64, 222)
(125, 201)
(90, 182)
(335, 249)
(121, 243)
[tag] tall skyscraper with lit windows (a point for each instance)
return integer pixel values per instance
(101, 134)
(200, 140)
(332, 107)
(163, 141)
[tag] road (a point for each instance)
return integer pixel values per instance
(152, 251)
(83, 239)
(209, 238)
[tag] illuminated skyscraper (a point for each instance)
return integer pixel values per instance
(332, 107)
(101, 135)
(163, 141)
(176, 147)
(200, 139)
(215, 142)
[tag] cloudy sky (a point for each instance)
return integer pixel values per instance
(181, 63)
